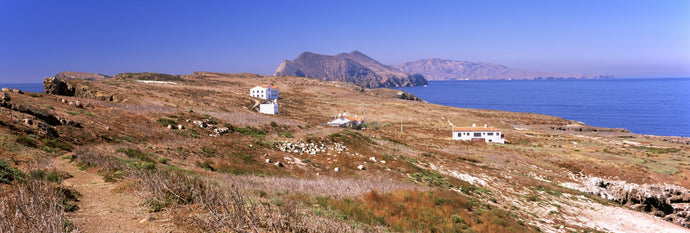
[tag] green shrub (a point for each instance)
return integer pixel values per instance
(136, 153)
(55, 144)
(51, 176)
(208, 165)
(9, 173)
(251, 131)
(26, 141)
(166, 121)
(156, 204)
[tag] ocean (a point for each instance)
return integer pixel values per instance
(656, 106)
(26, 87)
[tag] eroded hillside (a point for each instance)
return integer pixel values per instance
(189, 154)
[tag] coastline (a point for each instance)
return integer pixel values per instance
(646, 106)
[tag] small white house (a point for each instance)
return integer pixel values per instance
(269, 107)
(478, 134)
(267, 92)
(345, 120)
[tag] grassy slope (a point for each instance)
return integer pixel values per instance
(517, 182)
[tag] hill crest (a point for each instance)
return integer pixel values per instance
(353, 67)
(443, 69)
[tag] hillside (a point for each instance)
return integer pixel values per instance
(354, 67)
(118, 155)
(440, 69)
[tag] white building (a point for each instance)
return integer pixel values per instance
(478, 134)
(345, 120)
(267, 92)
(269, 107)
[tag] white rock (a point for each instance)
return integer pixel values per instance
(361, 167)
(336, 169)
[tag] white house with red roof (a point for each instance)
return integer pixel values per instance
(478, 134)
(267, 92)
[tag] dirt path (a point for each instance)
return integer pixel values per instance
(102, 209)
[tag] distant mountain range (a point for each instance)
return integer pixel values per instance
(441, 69)
(354, 67)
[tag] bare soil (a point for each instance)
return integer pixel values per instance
(103, 208)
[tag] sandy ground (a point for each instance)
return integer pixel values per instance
(101, 209)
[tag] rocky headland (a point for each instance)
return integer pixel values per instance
(353, 67)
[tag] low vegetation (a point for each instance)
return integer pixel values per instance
(429, 211)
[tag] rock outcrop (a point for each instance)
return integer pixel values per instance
(441, 69)
(77, 88)
(670, 202)
(354, 67)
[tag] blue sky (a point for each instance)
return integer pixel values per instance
(623, 38)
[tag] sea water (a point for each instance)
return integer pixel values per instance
(657, 106)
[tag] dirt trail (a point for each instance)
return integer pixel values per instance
(101, 209)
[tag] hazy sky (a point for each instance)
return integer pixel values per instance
(623, 38)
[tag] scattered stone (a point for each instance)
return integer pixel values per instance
(268, 161)
(5, 97)
(383, 161)
(311, 148)
(63, 101)
(278, 164)
(201, 124)
(107, 128)
(28, 122)
(180, 127)
(170, 127)
(71, 103)
(336, 169)
(146, 219)
(220, 131)
(361, 167)
(5, 89)
(373, 159)
(78, 104)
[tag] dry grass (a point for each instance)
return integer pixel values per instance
(430, 211)
(221, 208)
(35, 206)
(321, 186)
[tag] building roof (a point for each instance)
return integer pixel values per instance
(267, 86)
(474, 129)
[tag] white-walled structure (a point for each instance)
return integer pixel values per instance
(345, 120)
(268, 92)
(482, 134)
(269, 107)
